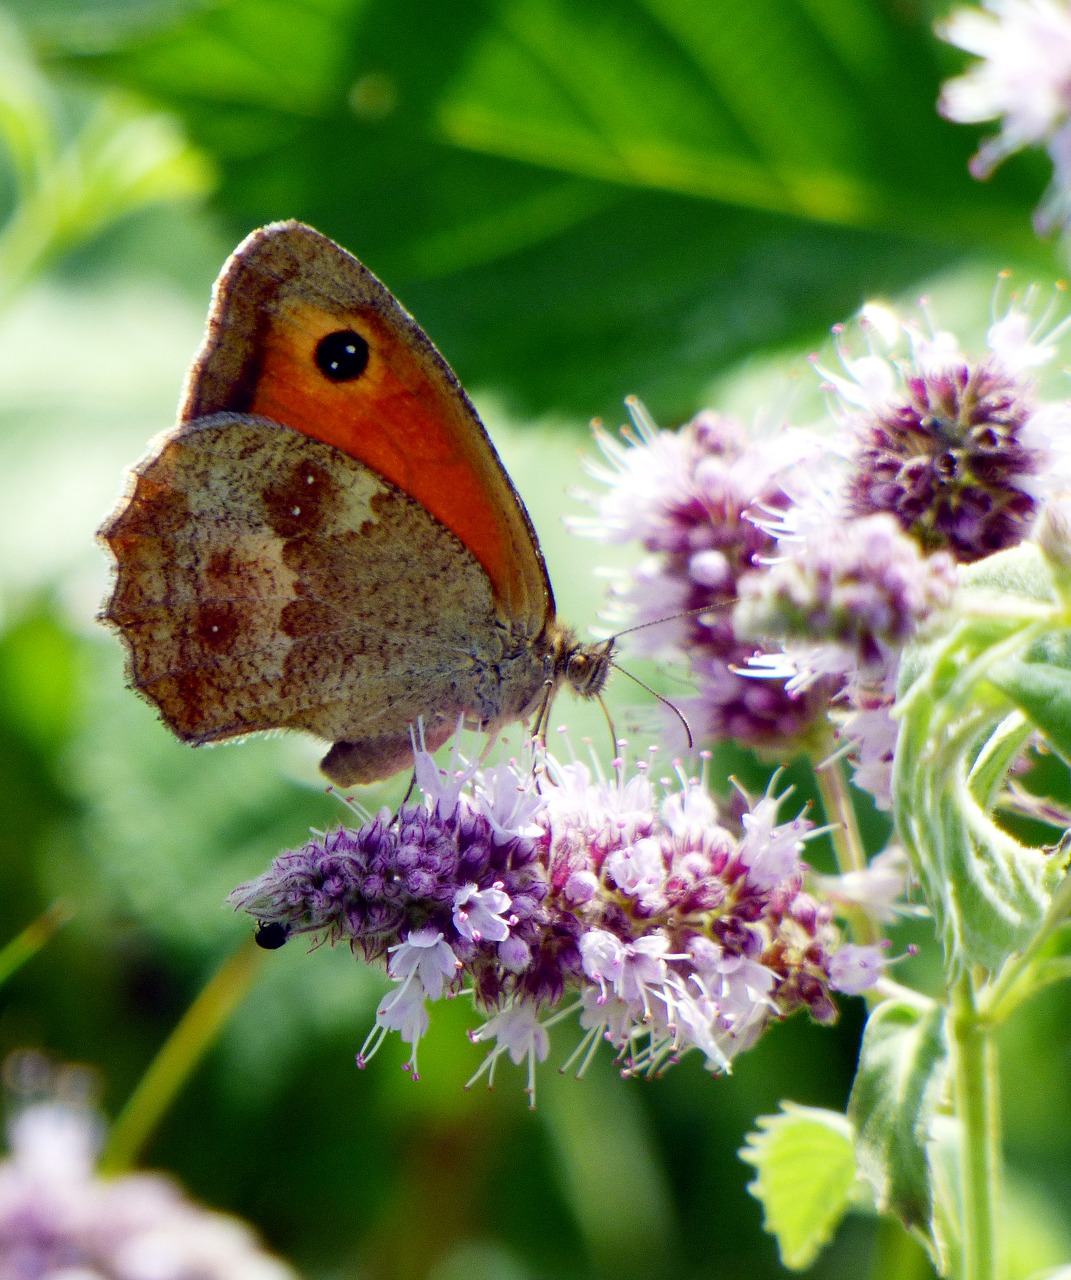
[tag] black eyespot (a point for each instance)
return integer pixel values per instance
(271, 935)
(342, 356)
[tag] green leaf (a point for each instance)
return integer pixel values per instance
(946, 1244)
(79, 163)
(616, 177)
(996, 757)
(673, 95)
(903, 1066)
(1044, 694)
(960, 733)
(806, 1170)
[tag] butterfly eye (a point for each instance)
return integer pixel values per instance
(342, 356)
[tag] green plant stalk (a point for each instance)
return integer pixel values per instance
(847, 842)
(976, 1106)
(27, 944)
(181, 1052)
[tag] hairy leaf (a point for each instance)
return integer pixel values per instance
(960, 734)
(903, 1066)
(806, 1169)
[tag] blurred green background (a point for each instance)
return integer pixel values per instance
(579, 199)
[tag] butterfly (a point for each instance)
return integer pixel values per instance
(327, 541)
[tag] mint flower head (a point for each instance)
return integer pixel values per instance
(942, 458)
(1023, 78)
(850, 596)
(60, 1221)
(961, 450)
(691, 499)
(843, 598)
(623, 900)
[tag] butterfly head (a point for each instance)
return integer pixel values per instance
(583, 667)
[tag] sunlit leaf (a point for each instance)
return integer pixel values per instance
(989, 891)
(1043, 692)
(806, 1168)
(79, 164)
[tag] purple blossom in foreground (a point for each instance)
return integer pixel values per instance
(623, 900)
(59, 1221)
(1024, 79)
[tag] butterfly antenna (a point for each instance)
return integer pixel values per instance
(657, 622)
(655, 694)
(640, 626)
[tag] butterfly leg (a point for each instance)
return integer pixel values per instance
(542, 717)
(408, 791)
(609, 724)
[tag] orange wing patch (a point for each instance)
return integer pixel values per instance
(390, 418)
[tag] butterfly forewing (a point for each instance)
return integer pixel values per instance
(285, 291)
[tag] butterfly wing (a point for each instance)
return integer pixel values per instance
(266, 580)
(285, 290)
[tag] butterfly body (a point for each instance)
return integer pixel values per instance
(327, 541)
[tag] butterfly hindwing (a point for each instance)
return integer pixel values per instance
(267, 580)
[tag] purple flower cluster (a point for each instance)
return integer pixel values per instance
(948, 459)
(60, 1221)
(693, 499)
(446, 870)
(666, 930)
(816, 559)
(960, 450)
(855, 592)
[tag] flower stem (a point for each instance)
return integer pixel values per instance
(976, 1105)
(27, 944)
(847, 842)
(181, 1052)
(837, 801)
